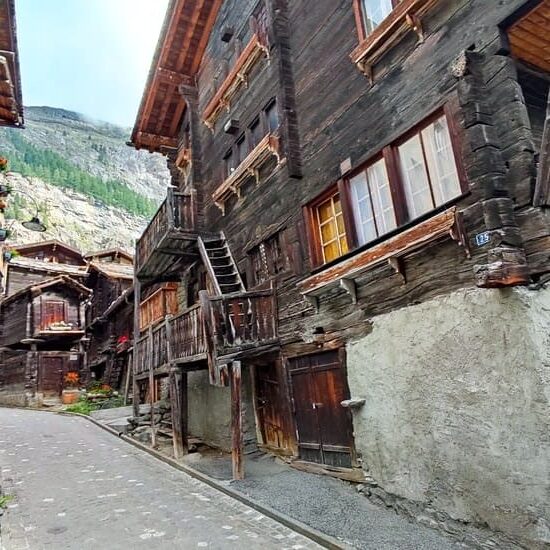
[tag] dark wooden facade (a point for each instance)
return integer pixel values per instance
(281, 117)
(109, 317)
(11, 102)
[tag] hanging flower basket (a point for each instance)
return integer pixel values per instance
(4, 234)
(3, 164)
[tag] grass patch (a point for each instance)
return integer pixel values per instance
(5, 500)
(83, 406)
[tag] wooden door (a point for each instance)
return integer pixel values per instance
(51, 375)
(324, 427)
(270, 407)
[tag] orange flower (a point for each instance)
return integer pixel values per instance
(71, 379)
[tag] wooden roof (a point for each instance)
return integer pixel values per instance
(110, 252)
(52, 244)
(529, 36)
(11, 101)
(179, 52)
(36, 290)
(113, 270)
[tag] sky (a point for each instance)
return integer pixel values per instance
(89, 56)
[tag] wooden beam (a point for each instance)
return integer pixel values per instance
(151, 385)
(135, 386)
(154, 141)
(235, 383)
(178, 400)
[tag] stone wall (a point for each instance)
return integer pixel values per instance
(210, 411)
(457, 412)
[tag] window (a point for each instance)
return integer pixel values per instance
(428, 168)
(330, 224)
(228, 163)
(376, 200)
(272, 117)
(52, 312)
(372, 202)
(267, 122)
(268, 259)
(240, 149)
(255, 134)
(373, 12)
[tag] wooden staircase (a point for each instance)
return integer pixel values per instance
(221, 266)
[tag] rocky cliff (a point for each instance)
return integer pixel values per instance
(92, 190)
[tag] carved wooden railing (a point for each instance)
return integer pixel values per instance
(177, 212)
(249, 167)
(219, 326)
(241, 320)
(156, 307)
(238, 77)
(187, 338)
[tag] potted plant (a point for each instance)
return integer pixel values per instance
(10, 255)
(70, 393)
(3, 164)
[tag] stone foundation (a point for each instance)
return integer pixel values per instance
(457, 411)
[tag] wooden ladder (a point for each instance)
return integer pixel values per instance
(221, 266)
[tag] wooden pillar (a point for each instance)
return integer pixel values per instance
(135, 358)
(178, 400)
(236, 420)
(152, 387)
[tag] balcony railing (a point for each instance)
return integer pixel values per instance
(221, 328)
(177, 214)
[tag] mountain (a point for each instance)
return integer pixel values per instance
(92, 189)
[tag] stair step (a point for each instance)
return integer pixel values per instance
(224, 270)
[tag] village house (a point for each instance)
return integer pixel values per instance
(42, 320)
(108, 316)
(358, 224)
(64, 313)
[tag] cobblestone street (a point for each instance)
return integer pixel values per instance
(76, 486)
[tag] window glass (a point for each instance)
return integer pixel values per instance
(272, 117)
(374, 12)
(441, 161)
(331, 228)
(228, 162)
(241, 150)
(255, 133)
(372, 203)
(415, 177)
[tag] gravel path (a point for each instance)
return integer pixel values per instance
(329, 505)
(75, 487)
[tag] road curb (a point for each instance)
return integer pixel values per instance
(320, 538)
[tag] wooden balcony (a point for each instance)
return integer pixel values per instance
(169, 239)
(238, 77)
(218, 330)
(406, 17)
(249, 167)
(161, 303)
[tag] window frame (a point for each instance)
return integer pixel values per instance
(390, 155)
(360, 21)
(245, 137)
(279, 236)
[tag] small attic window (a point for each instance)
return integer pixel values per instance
(227, 34)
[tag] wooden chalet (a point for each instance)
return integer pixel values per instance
(42, 320)
(107, 337)
(11, 102)
(358, 204)
(42, 326)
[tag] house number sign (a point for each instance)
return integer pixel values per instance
(482, 238)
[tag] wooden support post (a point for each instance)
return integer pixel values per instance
(178, 400)
(236, 420)
(151, 385)
(127, 379)
(135, 358)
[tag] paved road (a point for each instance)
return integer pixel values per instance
(76, 487)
